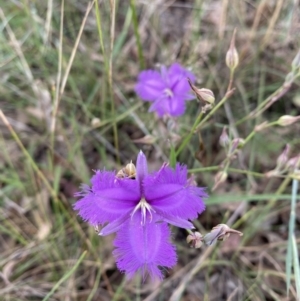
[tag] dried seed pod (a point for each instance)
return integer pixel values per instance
(219, 232)
(220, 178)
(129, 171)
(205, 95)
(195, 240)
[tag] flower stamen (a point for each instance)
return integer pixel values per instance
(169, 92)
(145, 207)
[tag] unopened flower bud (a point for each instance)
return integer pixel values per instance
(95, 122)
(148, 139)
(224, 138)
(283, 158)
(195, 240)
(293, 163)
(205, 95)
(219, 232)
(220, 178)
(237, 143)
(287, 120)
(232, 57)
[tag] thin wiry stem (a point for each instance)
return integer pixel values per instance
(18, 49)
(48, 21)
(58, 79)
(290, 254)
(110, 74)
(27, 155)
(137, 34)
(60, 90)
(65, 277)
(71, 60)
(198, 123)
(105, 61)
(233, 170)
(189, 136)
(99, 27)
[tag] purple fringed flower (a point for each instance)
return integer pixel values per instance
(167, 89)
(138, 206)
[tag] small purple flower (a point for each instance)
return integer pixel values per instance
(167, 89)
(139, 208)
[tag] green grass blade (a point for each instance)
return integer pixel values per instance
(219, 199)
(137, 35)
(289, 254)
(172, 156)
(65, 277)
(122, 36)
(296, 266)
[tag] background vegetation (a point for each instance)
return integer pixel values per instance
(68, 69)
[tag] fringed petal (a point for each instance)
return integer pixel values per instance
(177, 105)
(178, 79)
(144, 248)
(109, 198)
(161, 105)
(169, 192)
(150, 85)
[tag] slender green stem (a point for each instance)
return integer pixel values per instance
(110, 75)
(249, 137)
(233, 170)
(204, 169)
(189, 136)
(247, 172)
(58, 79)
(230, 80)
(252, 134)
(100, 33)
(264, 105)
(108, 64)
(268, 207)
(198, 123)
(99, 27)
(137, 35)
(272, 98)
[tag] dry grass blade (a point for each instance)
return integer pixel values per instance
(65, 277)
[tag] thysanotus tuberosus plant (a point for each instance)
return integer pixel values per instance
(162, 109)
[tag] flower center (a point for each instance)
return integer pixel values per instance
(145, 207)
(168, 92)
